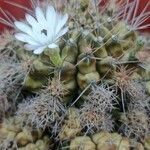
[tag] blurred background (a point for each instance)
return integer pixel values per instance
(9, 7)
(17, 12)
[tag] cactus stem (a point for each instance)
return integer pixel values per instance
(104, 43)
(88, 56)
(54, 56)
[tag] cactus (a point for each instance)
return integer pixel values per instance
(85, 73)
(104, 141)
(14, 136)
(147, 143)
(71, 128)
(42, 111)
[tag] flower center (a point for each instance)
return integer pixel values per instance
(44, 31)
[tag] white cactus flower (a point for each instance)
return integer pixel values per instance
(43, 30)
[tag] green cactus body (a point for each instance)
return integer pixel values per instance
(14, 136)
(103, 141)
(71, 127)
(93, 65)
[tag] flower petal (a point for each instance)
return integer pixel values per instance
(50, 35)
(39, 50)
(61, 23)
(53, 45)
(40, 17)
(61, 33)
(42, 31)
(23, 27)
(31, 20)
(51, 17)
(30, 47)
(27, 29)
(25, 38)
(41, 38)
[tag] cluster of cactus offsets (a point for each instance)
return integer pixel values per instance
(90, 93)
(104, 141)
(13, 136)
